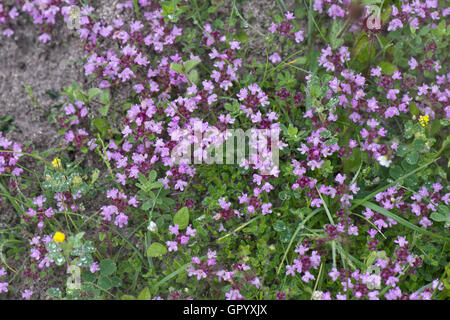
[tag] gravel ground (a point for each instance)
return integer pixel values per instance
(26, 62)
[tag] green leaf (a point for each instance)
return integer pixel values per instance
(156, 249)
(332, 102)
(177, 67)
(301, 60)
(414, 110)
(107, 267)
(116, 282)
(440, 30)
(181, 218)
(283, 195)
(396, 172)
(52, 247)
(54, 292)
(387, 67)
(285, 236)
(87, 276)
(145, 294)
(147, 205)
(59, 259)
(412, 158)
(370, 2)
(292, 131)
(152, 176)
(212, 9)
(137, 9)
(438, 217)
(105, 97)
(92, 93)
(442, 215)
(402, 151)
(173, 274)
(325, 134)
(362, 43)
(104, 110)
(156, 185)
(102, 125)
(279, 226)
(385, 14)
(193, 76)
(411, 181)
(331, 141)
(142, 179)
(105, 283)
(299, 227)
(419, 145)
(336, 27)
(191, 64)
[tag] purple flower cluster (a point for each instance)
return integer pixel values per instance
(40, 214)
(285, 27)
(239, 276)
(180, 238)
(115, 212)
(3, 285)
(43, 13)
(38, 251)
(9, 157)
(305, 263)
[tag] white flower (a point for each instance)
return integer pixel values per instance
(152, 227)
(384, 161)
(373, 282)
(317, 295)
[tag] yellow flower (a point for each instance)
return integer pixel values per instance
(59, 237)
(56, 163)
(77, 180)
(423, 120)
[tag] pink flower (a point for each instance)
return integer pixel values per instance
(334, 274)
(266, 208)
(174, 230)
(308, 276)
(26, 294)
(340, 178)
(121, 220)
(298, 36)
(395, 24)
(190, 231)
(44, 38)
(375, 72)
(126, 74)
(392, 94)
(275, 58)
(94, 267)
(172, 246)
(401, 241)
(412, 63)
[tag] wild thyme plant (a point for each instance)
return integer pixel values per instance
(356, 205)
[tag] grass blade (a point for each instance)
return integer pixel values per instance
(402, 221)
(358, 202)
(299, 227)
